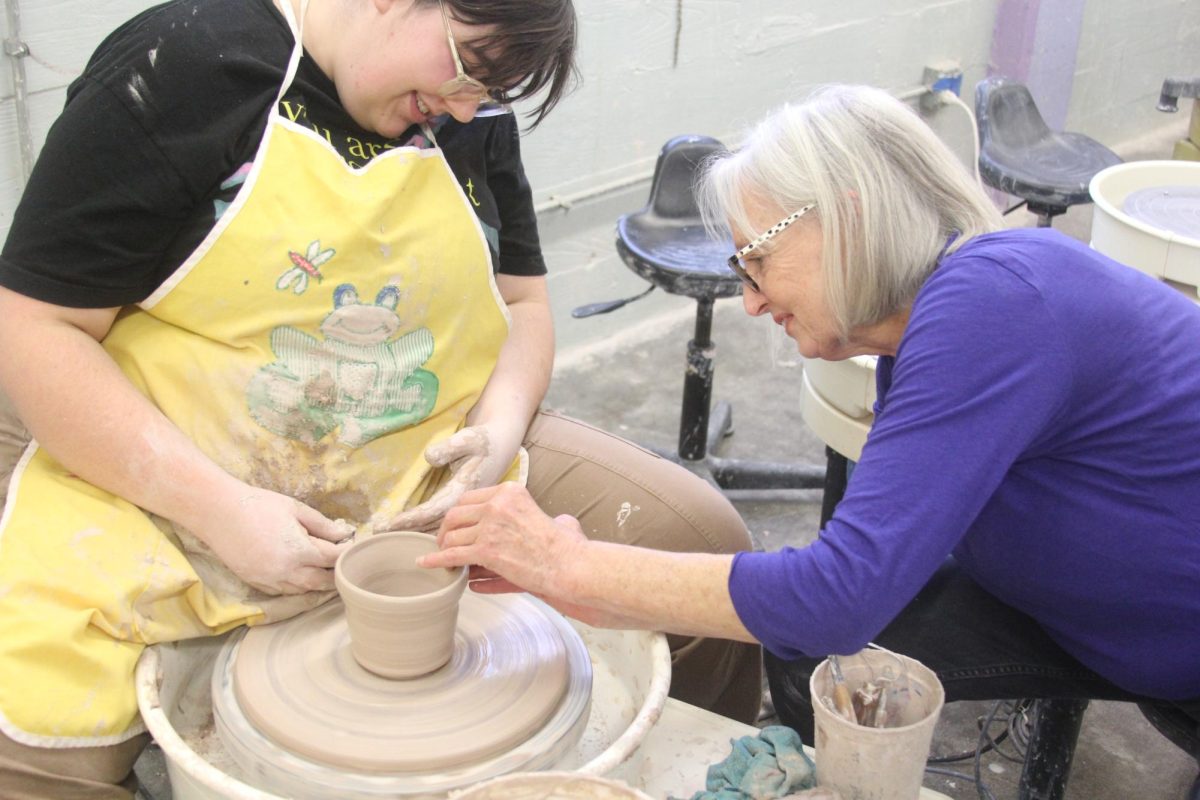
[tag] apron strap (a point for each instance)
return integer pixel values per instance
(297, 28)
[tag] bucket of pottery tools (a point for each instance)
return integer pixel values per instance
(876, 748)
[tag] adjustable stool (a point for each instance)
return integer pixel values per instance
(1020, 155)
(666, 243)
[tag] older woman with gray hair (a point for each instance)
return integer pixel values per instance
(1025, 516)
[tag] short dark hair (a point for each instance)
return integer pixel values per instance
(531, 50)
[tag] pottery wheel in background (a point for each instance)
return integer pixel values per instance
(1174, 209)
(514, 661)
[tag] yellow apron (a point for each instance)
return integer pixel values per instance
(334, 323)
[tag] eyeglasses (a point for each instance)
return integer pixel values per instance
(462, 86)
(735, 260)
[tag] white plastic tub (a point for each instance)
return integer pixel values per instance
(551, 786)
(631, 676)
(1163, 254)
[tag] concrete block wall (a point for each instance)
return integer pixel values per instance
(1125, 52)
(653, 69)
(59, 36)
(656, 68)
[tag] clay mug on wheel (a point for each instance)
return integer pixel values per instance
(401, 617)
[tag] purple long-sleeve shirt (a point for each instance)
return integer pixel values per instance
(1040, 421)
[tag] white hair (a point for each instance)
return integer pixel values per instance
(888, 195)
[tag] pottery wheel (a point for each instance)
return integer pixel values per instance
(1175, 209)
(298, 684)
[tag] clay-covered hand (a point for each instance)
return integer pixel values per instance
(473, 463)
(275, 543)
(513, 546)
(501, 529)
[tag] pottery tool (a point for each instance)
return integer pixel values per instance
(841, 694)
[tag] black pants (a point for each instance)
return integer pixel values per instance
(980, 648)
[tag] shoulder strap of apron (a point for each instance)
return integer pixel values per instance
(297, 27)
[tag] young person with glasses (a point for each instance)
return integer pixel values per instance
(276, 280)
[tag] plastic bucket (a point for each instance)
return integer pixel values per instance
(631, 676)
(865, 763)
(550, 786)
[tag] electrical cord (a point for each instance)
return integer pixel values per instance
(1016, 723)
(950, 98)
(984, 792)
(982, 788)
(69, 73)
(1015, 718)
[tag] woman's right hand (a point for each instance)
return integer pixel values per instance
(85, 412)
(273, 542)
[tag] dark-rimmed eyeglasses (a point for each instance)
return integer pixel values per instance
(735, 260)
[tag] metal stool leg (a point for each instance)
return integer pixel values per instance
(701, 427)
(720, 425)
(697, 386)
(1045, 212)
(1056, 726)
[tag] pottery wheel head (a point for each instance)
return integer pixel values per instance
(519, 673)
(1173, 209)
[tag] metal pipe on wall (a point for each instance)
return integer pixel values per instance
(17, 51)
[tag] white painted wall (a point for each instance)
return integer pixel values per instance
(61, 35)
(1125, 51)
(736, 60)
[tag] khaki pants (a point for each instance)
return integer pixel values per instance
(13, 439)
(622, 493)
(618, 491)
(77, 773)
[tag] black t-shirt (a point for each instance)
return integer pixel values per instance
(152, 145)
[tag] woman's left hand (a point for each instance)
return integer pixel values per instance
(473, 461)
(513, 546)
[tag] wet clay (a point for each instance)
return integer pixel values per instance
(401, 583)
(298, 684)
(401, 616)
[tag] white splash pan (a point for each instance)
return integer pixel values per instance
(551, 786)
(631, 676)
(1163, 254)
